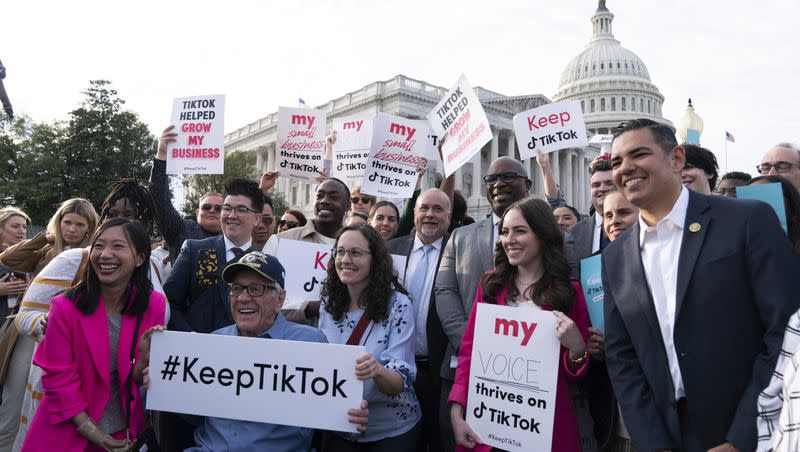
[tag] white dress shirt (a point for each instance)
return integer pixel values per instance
(229, 256)
(660, 249)
(495, 230)
(598, 229)
(422, 305)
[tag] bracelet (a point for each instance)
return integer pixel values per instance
(581, 359)
(92, 432)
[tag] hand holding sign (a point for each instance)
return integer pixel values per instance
(167, 136)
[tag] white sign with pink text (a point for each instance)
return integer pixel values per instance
(198, 148)
(350, 151)
(300, 143)
(548, 128)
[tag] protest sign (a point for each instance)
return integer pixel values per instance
(460, 117)
(198, 148)
(604, 141)
(398, 145)
(306, 266)
(549, 128)
(513, 377)
(771, 194)
(300, 143)
(592, 283)
(254, 379)
(353, 140)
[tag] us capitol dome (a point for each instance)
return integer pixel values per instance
(611, 82)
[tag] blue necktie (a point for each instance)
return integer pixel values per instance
(420, 275)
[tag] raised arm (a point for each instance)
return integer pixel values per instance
(170, 222)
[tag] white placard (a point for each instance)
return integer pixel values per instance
(200, 124)
(549, 128)
(306, 266)
(353, 140)
(460, 116)
(300, 143)
(513, 377)
(398, 145)
(255, 379)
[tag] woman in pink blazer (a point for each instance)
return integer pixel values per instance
(531, 272)
(91, 388)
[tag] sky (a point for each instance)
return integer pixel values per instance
(737, 60)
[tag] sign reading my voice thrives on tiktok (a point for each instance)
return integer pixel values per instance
(198, 148)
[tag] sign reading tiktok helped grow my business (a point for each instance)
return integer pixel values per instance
(199, 122)
(353, 140)
(300, 143)
(461, 118)
(265, 380)
(549, 128)
(513, 377)
(398, 145)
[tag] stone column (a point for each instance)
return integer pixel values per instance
(567, 181)
(511, 145)
(260, 159)
(459, 179)
(477, 176)
(495, 144)
(556, 168)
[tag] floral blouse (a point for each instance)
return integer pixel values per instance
(391, 342)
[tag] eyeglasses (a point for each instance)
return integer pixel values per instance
(354, 253)
(254, 290)
(505, 177)
(289, 224)
(207, 207)
(780, 167)
(240, 210)
(356, 199)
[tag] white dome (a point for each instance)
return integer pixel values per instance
(611, 82)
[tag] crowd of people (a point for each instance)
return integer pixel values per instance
(699, 349)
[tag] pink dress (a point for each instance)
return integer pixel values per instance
(75, 358)
(566, 437)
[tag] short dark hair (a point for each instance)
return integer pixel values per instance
(344, 186)
(737, 175)
(268, 201)
(243, 187)
(600, 165)
(663, 134)
(700, 157)
(574, 210)
(86, 294)
(297, 214)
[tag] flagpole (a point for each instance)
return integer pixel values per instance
(726, 152)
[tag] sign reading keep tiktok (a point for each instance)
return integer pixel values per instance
(551, 127)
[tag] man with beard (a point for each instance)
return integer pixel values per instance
(332, 201)
(466, 257)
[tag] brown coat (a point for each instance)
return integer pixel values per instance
(29, 255)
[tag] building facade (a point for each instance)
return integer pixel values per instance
(611, 82)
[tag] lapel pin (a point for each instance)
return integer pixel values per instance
(694, 227)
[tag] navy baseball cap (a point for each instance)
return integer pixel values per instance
(263, 264)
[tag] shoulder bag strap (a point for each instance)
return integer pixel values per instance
(358, 331)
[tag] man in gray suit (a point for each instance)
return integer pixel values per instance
(467, 256)
(586, 237)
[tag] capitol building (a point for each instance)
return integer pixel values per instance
(611, 82)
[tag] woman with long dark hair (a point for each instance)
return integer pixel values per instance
(531, 272)
(91, 395)
(365, 304)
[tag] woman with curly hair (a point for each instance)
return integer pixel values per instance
(363, 303)
(530, 272)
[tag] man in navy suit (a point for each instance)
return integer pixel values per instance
(198, 298)
(697, 294)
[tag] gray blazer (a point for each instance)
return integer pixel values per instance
(579, 238)
(466, 257)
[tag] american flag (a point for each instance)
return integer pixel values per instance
(729, 137)
(301, 103)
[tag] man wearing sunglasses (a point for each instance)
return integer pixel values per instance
(172, 225)
(782, 160)
(360, 202)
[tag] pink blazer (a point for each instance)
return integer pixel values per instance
(566, 437)
(75, 358)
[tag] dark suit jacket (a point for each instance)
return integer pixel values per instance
(579, 237)
(198, 299)
(735, 293)
(437, 340)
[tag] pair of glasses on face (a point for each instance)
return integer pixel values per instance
(254, 290)
(354, 253)
(289, 224)
(780, 167)
(356, 200)
(208, 207)
(240, 210)
(507, 178)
